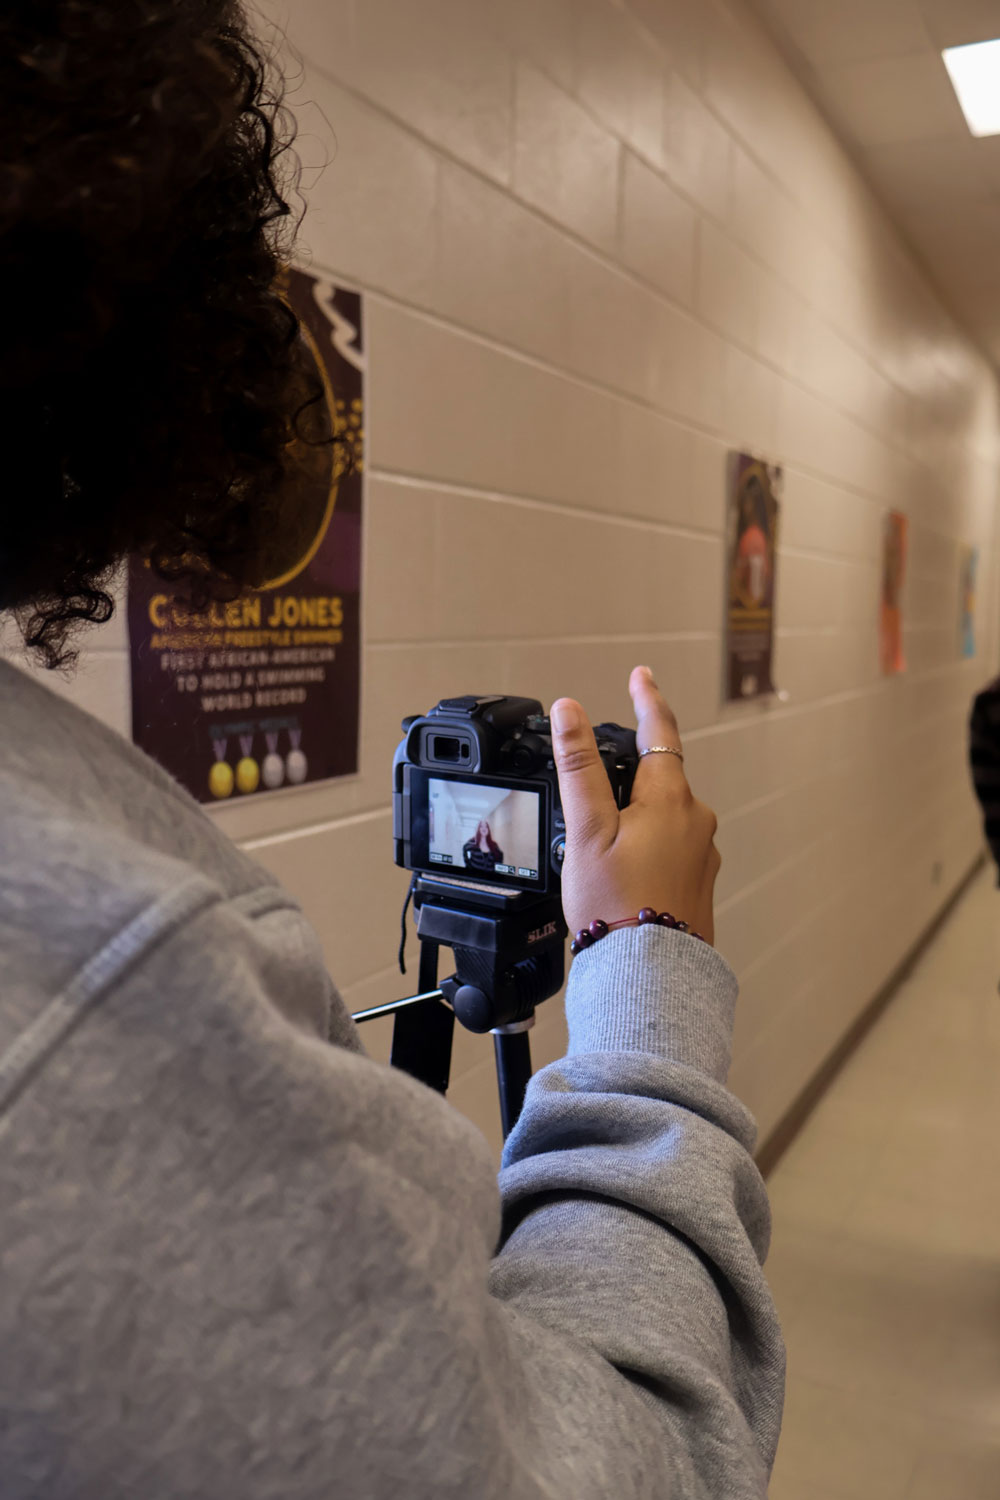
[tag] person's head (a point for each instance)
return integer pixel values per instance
(151, 375)
(484, 837)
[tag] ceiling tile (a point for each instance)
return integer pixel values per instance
(918, 173)
(988, 157)
(952, 23)
(851, 31)
(898, 99)
(964, 248)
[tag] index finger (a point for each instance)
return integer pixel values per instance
(656, 725)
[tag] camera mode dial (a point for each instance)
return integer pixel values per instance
(527, 750)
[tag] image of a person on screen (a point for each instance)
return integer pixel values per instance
(482, 852)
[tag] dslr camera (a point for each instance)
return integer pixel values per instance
(476, 794)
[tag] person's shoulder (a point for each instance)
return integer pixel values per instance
(94, 837)
(45, 733)
(80, 792)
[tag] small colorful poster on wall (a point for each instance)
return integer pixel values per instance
(263, 693)
(891, 612)
(967, 619)
(754, 498)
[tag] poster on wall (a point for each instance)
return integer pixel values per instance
(967, 618)
(261, 694)
(891, 612)
(752, 540)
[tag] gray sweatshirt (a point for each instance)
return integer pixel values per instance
(241, 1261)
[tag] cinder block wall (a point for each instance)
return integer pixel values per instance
(601, 244)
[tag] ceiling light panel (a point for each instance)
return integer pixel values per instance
(975, 73)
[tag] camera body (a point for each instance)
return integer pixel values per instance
(476, 794)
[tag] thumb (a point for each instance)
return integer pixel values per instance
(587, 799)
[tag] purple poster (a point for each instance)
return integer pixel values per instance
(263, 693)
(752, 544)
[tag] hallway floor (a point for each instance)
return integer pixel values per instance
(885, 1260)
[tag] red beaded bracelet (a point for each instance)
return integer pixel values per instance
(598, 929)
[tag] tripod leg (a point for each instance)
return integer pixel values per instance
(422, 1034)
(513, 1054)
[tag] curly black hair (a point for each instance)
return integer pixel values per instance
(151, 376)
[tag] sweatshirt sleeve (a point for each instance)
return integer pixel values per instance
(239, 1261)
(635, 1218)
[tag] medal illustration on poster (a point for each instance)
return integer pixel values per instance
(754, 498)
(891, 613)
(263, 693)
(967, 626)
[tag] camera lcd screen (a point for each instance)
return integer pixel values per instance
(477, 830)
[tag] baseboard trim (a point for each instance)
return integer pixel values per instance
(781, 1137)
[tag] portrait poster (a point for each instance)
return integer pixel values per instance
(967, 601)
(752, 540)
(252, 697)
(891, 610)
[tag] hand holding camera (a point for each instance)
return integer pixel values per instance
(656, 852)
(488, 793)
(510, 820)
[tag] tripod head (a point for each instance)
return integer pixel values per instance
(509, 957)
(508, 946)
